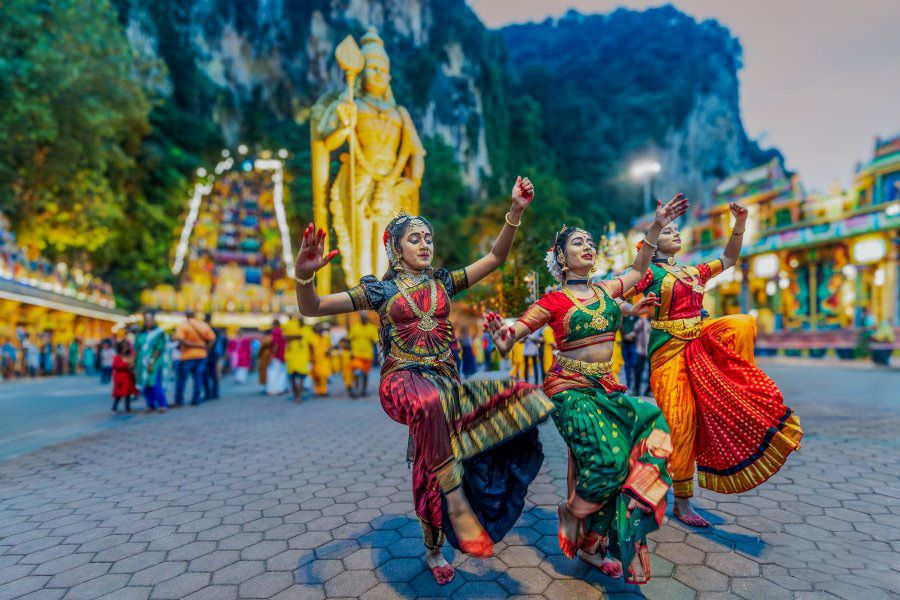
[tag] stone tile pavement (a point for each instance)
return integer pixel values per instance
(253, 497)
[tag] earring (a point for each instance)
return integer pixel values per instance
(397, 267)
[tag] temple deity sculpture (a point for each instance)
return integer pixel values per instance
(381, 168)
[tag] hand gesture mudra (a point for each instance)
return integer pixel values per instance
(522, 192)
(739, 212)
(673, 209)
(500, 333)
(311, 256)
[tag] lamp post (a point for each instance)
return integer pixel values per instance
(644, 170)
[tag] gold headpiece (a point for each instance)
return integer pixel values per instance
(373, 46)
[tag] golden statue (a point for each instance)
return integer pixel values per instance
(381, 171)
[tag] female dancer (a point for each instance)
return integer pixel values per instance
(469, 474)
(618, 445)
(725, 414)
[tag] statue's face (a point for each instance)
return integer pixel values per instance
(670, 240)
(417, 247)
(581, 252)
(377, 77)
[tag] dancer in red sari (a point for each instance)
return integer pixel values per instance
(475, 444)
(726, 415)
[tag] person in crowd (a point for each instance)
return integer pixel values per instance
(47, 356)
(321, 363)
(151, 363)
(641, 341)
(193, 337)
(123, 376)
(211, 365)
(263, 356)
(276, 376)
(363, 338)
(629, 348)
(298, 354)
(8, 359)
(107, 355)
(89, 358)
(530, 354)
(517, 361)
(468, 355)
(344, 353)
(548, 342)
(244, 359)
(74, 351)
(59, 359)
(487, 344)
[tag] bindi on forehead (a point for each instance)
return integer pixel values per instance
(418, 231)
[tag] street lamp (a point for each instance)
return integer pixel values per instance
(644, 170)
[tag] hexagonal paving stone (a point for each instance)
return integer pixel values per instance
(180, 586)
(701, 578)
(265, 585)
(732, 564)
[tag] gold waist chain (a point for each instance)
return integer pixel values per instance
(685, 329)
(585, 368)
(423, 360)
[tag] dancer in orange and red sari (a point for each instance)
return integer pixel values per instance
(725, 414)
(476, 448)
(618, 444)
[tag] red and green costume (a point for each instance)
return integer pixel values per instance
(479, 434)
(618, 444)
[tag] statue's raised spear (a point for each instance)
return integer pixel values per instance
(351, 60)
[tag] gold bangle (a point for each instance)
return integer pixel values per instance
(305, 281)
(651, 244)
(510, 223)
(737, 233)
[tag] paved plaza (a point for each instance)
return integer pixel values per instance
(255, 497)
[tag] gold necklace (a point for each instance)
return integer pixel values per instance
(426, 319)
(598, 321)
(681, 275)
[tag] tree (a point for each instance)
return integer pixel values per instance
(74, 113)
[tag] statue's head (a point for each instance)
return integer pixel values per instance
(573, 251)
(377, 75)
(409, 242)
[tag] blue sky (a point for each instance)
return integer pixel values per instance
(821, 78)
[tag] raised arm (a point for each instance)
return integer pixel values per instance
(310, 259)
(732, 251)
(522, 195)
(673, 209)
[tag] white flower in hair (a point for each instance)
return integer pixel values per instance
(553, 265)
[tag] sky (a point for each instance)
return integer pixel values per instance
(821, 78)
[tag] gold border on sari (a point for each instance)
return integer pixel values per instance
(774, 456)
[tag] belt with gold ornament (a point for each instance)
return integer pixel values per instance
(684, 329)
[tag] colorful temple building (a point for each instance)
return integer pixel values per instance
(815, 267)
(50, 302)
(233, 253)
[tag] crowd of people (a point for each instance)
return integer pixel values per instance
(290, 357)
(36, 355)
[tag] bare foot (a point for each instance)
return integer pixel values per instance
(442, 571)
(685, 513)
(569, 530)
(608, 566)
(473, 539)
